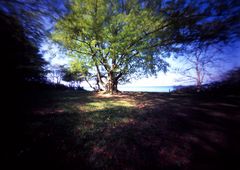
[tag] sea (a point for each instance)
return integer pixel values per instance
(147, 88)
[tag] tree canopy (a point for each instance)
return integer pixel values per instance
(120, 40)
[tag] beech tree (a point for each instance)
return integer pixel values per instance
(119, 40)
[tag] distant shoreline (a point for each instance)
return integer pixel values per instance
(145, 88)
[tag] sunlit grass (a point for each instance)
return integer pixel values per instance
(105, 104)
(93, 113)
(104, 113)
(89, 116)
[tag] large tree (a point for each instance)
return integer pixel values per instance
(121, 39)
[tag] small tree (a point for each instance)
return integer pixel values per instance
(198, 65)
(72, 78)
(82, 71)
(56, 73)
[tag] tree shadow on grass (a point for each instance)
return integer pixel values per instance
(48, 141)
(164, 132)
(204, 131)
(175, 134)
(60, 138)
(212, 130)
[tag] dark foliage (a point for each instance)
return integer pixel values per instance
(24, 63)
(34, 16)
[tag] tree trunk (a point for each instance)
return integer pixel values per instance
(112, 84)
(198, 72)
(112, 87)
(98, 85)
(99, 78)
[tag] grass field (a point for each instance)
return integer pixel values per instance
(85, 130)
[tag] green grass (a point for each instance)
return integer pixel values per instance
(93, 113)
(105, 105)
(82, 130)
